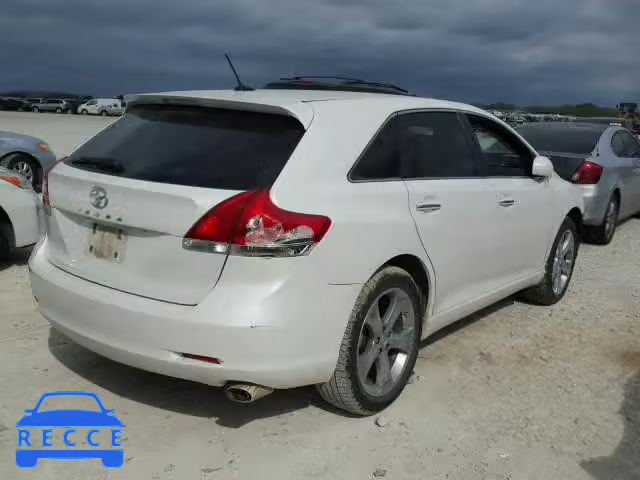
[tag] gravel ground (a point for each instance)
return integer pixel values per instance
(514, 392)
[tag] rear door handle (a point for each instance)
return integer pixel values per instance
(507, 203)
(427, 207)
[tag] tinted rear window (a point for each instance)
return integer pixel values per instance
(195, 146)
(566, 140)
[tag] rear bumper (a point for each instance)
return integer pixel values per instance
(595, 204)
(282, 334)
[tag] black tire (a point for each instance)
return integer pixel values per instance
(543, 293)
(603, 234)
(84, 111)
(345, 390)
(35, 109)
(104, 113)
(58, 110)
(5, 248)
(33, 164)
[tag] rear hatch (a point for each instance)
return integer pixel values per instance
(122, 202)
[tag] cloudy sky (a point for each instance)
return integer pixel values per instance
(523, 51)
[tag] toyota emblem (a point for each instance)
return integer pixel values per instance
(98, 197)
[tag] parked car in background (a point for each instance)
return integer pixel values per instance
(50, 105)
(12, 104)
(442, 209)
(26, 155)
(20, 222)
(602, 160)
(73, 104)
(96, 106)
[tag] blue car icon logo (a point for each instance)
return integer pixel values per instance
(36, 438)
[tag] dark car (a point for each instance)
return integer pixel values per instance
(12, 104)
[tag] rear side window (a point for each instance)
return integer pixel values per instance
(434, 145)
(618, 146)
(195, 146)
(632, 146)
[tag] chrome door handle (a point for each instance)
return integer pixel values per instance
(507, 203)
(427, 207)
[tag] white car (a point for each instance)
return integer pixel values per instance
(271, 239)
(20, 224)
(97, 106)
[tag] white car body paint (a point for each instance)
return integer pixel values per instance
(279, 321)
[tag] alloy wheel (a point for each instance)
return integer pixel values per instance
(610, 218)
(24, 169)
(563, 262)
(385, 343)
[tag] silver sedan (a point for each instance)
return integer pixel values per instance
(26, 155)
(603, 161)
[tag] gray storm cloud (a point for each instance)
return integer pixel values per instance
(547, 51)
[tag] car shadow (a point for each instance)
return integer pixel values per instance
(468, 320)
(176, 395)
(18, 256)
(624, 462)
(191, 398)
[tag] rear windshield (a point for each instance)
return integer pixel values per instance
(194, 146)
(565, 140)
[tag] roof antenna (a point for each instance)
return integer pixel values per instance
(241, 86)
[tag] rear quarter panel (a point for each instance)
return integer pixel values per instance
(371, 222)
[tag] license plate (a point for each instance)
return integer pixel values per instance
(107, 243)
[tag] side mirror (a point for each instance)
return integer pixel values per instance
(542, 167)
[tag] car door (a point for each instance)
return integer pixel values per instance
(627, 173)
(632, 155)
(454, 208)
(524, 203)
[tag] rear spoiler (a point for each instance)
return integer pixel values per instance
(301, 111)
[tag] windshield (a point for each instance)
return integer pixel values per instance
(575, 140)
(194, 146)
(69, 402)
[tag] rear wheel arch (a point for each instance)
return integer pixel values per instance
(576, 215)
(416, 268)
(6, 160)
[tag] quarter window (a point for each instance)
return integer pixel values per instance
(502, 153)
(380, 160)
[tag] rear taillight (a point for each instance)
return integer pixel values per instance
(250, 224)
(588, 173)
(46, 199)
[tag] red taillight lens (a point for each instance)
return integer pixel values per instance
(250, 224)
(11, 179)
(587, 173)
(46, 200)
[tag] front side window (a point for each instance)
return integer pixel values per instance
(92, 102)
(434, 145)
(503, 154)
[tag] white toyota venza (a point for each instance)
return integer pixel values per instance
(277, 238)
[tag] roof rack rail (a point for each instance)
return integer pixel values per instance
(332, 82)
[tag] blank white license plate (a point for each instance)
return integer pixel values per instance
(107, 243)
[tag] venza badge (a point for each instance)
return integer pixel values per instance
(98, 197)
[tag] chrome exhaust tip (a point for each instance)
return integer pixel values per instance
(246, 392)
